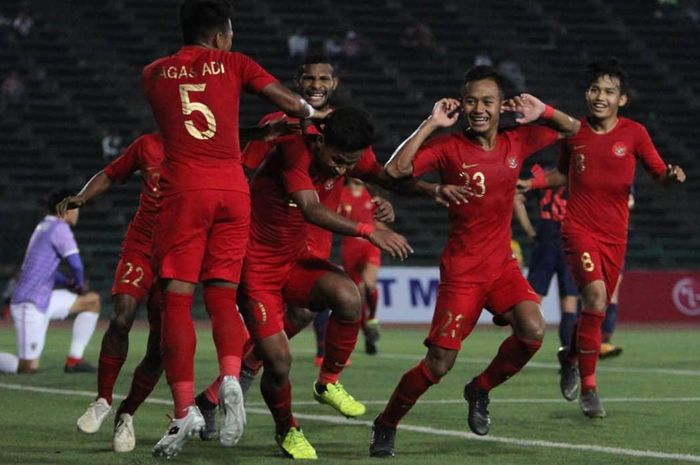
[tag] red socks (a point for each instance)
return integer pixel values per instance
(412, 385)
(341, 337)
(108, 370)
(178, 344)
(588, 339)
(512, 356)
(279, 401)
(141, 387)
(227, 328)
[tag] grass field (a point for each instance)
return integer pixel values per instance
(651, 392)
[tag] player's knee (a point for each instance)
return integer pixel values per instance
(91, 302)
(439, 362)
(595, 299)
(346, 302)
(278, 366)
(534, 329)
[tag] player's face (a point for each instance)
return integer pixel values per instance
(317, 84)
(224, 40)
(71, 216)
(604, 97)
(481, 103)
(336, 163)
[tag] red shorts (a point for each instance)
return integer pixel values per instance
(134, 275)
(591, 260)
(356, 254)
(202, 235)
(264, 292)
(458, 308)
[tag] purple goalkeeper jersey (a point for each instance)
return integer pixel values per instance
(51, 241)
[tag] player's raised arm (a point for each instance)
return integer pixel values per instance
(443, 115)
(531, 109)
(97, 185)
(314, 212)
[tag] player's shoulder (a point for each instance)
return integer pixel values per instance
(630, 125)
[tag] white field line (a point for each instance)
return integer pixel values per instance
(552, 366)
(648, 454)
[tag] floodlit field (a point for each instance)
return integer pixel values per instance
(651, 392)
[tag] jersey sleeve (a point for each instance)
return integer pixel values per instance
(534, 137)
(255, 151)
(647, 153)
(122, 167)
(63, 240)
(367, 166)
(253, 77)
(297, 161)
(430, 157)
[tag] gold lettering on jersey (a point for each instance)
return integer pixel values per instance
(475, 183)
(580, 162)
(177, 72)
(213, 68)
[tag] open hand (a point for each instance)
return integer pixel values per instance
(528, 106)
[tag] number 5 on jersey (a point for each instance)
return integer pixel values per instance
(189, 107)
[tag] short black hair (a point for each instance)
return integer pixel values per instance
(316, 59)
(480, 72)
(348, 129)
(199, 18)
(606, 67)
(55, 197)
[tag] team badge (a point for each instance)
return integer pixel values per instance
(329, 184)
(580, 163)
(512, 161)
(619, 149)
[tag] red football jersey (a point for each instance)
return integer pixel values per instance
(479, 240)
(195, 97)
(601, 169)
(278, 230)
(257, 150)
(358, 208)
(145, 155)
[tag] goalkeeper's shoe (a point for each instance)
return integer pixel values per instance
(337, 397)
(295, 445)
(180, 430)
(96, 413)
(608, 350)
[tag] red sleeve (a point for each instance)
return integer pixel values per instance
(533, 138)
(430, 156)
(367, 166)
(122, 167)
(255, 151)
(564, 157)
(644, 150)
(297, 161)
(253, 77)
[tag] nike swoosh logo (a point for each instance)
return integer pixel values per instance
(465, 166)
(576, 147)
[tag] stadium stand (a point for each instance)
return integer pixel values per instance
(84, 80)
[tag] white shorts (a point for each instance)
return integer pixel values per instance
(31, 324)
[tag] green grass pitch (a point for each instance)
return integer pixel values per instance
(651, 393)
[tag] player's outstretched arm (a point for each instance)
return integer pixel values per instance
(97, 185)
(521, 215)
(401, 162)
(290, 102)
(541, 180)
(315, 213)
(674, 175)
(531, 109)
(268, 131)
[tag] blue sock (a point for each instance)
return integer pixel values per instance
(609, 322)
(320, 323)
(566, 328)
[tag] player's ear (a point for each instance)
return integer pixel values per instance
(336, 81)
(623, 100)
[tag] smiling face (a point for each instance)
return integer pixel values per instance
(481, 103)
(316, 83)
(604, 97)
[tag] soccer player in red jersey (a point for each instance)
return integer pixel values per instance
(203, 224)
(360, 259)
(477, 269)
(289, 191)
(133, 282)
(599, 164)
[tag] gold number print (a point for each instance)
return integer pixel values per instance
(125, 277)
(480, 181)
(129, 268)
(587, 262)
(444, 329)
(189, 107)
